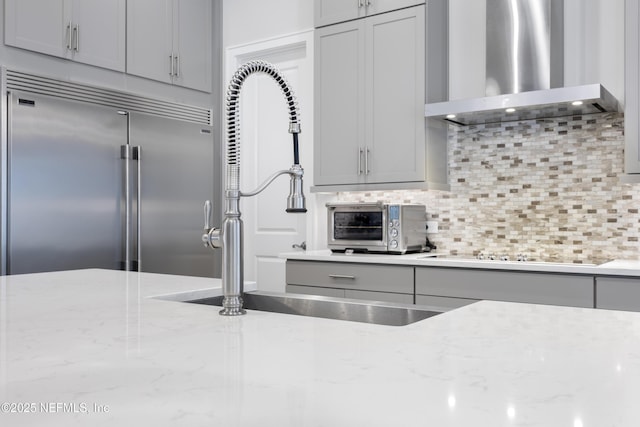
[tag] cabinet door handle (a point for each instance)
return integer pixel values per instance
(360, 152)
(342, 276)
(171, 65)
(68, 36)
(366, 162)
(360, 3)
(76, 37)
(176, 58)
(368, 3)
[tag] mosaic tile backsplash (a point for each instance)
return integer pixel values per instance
(549, 189)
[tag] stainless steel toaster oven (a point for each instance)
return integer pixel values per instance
(376, 227)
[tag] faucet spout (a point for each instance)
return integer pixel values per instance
(231, 233)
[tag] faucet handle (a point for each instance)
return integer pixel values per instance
(211, 237)
(207, 215)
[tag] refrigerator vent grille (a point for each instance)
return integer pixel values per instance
(25, 82)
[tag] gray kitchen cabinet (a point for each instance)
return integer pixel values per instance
(327, 12)
(369, 100)
(536, 288)
(618, 293)
(315, 290)
(351, 280)
(170, 41)
(443, 303)
(379, 296)
(87, 31)
(632, 89)
(350, 293)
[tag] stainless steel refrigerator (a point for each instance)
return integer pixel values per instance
(103, 179)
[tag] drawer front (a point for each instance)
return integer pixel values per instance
(365, 277)
(314, 290)
(536, 288)
(618, 293)
(443, 303)
(379, 296)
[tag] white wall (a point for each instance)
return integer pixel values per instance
(247, 21)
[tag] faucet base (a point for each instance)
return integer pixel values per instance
(232, 306)
(233, 311)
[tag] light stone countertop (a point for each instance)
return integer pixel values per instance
(612, 268)
(95, 340)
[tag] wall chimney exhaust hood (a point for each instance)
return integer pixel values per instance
(525, 70)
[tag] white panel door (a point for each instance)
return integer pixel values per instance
(266, 147)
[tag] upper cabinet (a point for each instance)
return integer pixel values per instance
(329, 12)
(632, 90)
(170, 41)
(369, 100)
(87, 31)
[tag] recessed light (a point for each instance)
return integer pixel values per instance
(576, 103)
(510, 110)
(451, 116)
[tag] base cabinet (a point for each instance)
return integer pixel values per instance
(618, 293)
(349, 280)
(443, 303)
(445, 289)
(526, 287)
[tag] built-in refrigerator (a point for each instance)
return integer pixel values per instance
(95, 178)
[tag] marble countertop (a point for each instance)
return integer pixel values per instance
(612, 268)
(97, 348)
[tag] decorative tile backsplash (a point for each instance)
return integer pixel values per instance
(545, 188)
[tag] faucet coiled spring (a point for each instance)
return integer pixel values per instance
(233, 113)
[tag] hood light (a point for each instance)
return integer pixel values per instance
(576, 103)
(510, 110)
(451, 116)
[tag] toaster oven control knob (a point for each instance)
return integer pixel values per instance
(393, 244)
(394, 232)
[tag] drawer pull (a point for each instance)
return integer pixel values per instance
(342, 276)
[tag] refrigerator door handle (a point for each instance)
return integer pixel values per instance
(125, 154)
(137, 152)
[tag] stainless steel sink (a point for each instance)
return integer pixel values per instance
(378, 313)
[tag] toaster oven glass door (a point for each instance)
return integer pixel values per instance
(358, 226)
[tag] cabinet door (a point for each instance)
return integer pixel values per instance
(395, 96)
(618, 293)
(333, 11)
(443, 303)
(314, 290)
(192, 44)
(339, 104)
(363, 277)
(38, 25)
(379, 296)
(632, 88)
(535, 288)
(99, 32)
(149, 39)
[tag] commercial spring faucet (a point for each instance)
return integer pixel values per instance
(230, 236)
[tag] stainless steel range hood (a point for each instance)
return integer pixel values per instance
(524, 72)
(538, 104)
